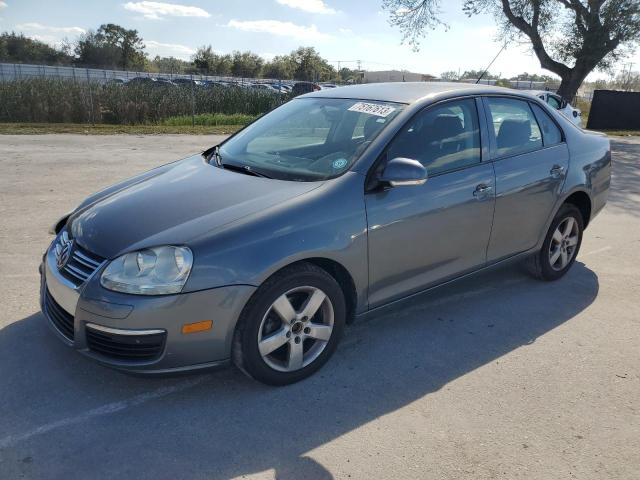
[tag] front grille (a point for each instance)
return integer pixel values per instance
(81, 265)
(133, 348)
(61, 319)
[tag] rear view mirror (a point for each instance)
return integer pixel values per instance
(402, 172)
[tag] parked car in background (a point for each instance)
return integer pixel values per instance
(151, 82)
(557, 102)
(300, 88)
(217, 83)
(264, 87)
(116, 81)
(188, 82)
(335, 204)
(279, 87)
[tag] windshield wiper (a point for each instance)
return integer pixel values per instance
(246, 169)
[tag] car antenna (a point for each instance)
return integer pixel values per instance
(491, 63)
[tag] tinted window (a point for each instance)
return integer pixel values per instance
(551, 134)
(444, 137)
(514, 125)
(553, 102)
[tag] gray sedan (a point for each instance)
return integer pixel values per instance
(261, 249)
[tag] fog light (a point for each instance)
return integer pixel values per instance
(197, 327)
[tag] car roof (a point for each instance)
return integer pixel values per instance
(406, 92)
(540, 92)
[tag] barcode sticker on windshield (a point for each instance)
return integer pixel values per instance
(372, 109)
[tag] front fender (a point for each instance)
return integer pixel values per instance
(328, 222)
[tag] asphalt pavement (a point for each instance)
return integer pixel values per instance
(498, 376)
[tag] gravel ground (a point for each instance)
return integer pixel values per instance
(498, 376)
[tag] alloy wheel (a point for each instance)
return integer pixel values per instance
(563, 243)
(296, 329)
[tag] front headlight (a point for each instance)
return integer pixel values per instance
(153, 271)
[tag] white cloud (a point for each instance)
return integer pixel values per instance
(3, 4)
(158, 10)
(169, 49)
(276, 27)
(311, 6)
(49, 31)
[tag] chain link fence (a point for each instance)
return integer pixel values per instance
(21, 71)
(61, 94)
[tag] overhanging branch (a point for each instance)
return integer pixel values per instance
(531, 31)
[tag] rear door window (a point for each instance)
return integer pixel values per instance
(514, 125)
(551, 134)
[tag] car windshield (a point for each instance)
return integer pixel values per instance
(307, 139)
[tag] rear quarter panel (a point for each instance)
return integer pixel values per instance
(589, 166)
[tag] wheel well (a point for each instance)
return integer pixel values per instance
(344, 279)
(583, 203)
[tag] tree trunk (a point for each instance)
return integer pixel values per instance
(571, 83)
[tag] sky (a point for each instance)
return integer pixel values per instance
(342, 31)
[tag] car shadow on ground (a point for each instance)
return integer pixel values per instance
(64, 416)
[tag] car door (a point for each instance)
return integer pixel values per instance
(530, 160)
(423, 234)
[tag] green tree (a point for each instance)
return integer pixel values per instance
(111, 46)
(533, 77)
(571, 38)
(310, 66)
(280, 67)
(168, 65)
(204, 59)
(18, 48)
(223, 65)
(450, 75)
(246, 64)
(348, 75)
(475, 74)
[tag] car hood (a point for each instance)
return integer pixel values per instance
(174, 206)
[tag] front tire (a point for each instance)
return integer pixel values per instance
(560, 247)
(291, 326)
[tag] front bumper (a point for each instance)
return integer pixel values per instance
(106, 326)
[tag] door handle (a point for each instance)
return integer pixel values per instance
(482, 190)
(556, 171)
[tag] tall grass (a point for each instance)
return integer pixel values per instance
(51, 100)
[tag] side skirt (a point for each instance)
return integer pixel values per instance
(500, 263)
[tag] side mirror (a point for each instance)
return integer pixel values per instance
(402, 172)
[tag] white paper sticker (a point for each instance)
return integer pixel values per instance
(372, 109)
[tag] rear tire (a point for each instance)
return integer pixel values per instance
(560, 247)
(291, 326)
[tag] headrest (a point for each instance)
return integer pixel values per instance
(513, 132)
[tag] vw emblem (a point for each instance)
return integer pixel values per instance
(63, 250)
